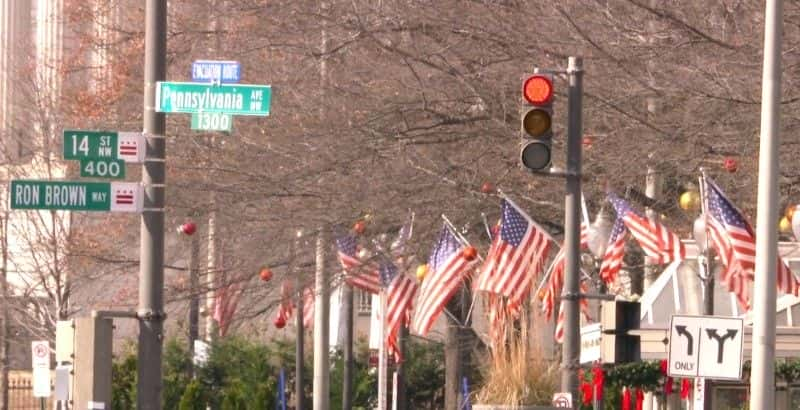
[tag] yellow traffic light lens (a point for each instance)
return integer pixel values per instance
(536, 122)
(538, 90)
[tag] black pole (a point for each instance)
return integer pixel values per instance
(402, 397)
(299, 348)
(151, 263)
(347, 377)
(194, 301)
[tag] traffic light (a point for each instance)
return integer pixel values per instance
(537, 121)
(617, 319)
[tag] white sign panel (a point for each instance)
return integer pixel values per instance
(40, 358)
(590, 343)
(699, 394)
(62, 383)
(706, 346)
(201, 353)
(131, 147)
(40, 353)
(562, 400)
(126, 197)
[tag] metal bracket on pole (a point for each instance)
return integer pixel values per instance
(115, 314)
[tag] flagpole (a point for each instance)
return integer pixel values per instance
(382, 356)
(464, 242)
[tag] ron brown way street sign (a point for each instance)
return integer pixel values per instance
(236, 99)
(706, 346)
(76, 196)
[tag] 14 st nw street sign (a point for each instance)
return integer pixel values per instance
(107, 145)
(237, 99)
(76, 196)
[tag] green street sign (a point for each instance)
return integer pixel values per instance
(76, 196)
(236, 99)
(108, 145)
(103, 168)
(212, 121)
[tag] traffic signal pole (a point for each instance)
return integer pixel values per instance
(762, 375)
(151, 263)
(570, 294)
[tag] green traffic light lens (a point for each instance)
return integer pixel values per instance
(535, 155)
(536, 122)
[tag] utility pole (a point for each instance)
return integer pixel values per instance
(452, 358)
(572, 219)
(4, 327)
(151, 264)
(347, 382)
(299, 338)
(194, 302)
(402, 396)
(321, 327)
(762, 375)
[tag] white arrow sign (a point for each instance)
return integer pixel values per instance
(706, 346)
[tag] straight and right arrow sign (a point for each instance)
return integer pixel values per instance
(706, 346)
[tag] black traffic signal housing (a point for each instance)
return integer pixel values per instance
(616, 345)
(537, 122)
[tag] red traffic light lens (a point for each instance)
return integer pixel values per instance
(538, 90)
(536, 122)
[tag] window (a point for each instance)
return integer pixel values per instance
(363, 302)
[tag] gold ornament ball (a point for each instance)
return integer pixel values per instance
(689, 200)
(422, 270)
(790, 212)
(785, 225)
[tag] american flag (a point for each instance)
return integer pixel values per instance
(515, 256)
(615, 251)
(225, 303)
(559, 331)
(447, 268)
(735, 242)
(657, 242)
(286, 308)
(400, 291)
(355, 274)
(555, 282)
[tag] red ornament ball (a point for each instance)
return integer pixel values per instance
(265, 274)
(470, 253)
(487, 188)
(359, 227)
(280, 322)
(730, 165)
(189, 228)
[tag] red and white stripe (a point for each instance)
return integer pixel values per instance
(658, 242)
(356, 277)
(555, 282)
(509, 270)
(436, 290)
(399, 300)
(612, 260)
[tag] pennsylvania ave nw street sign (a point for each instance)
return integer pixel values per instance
(706, 346)
(76, 196)
(236, 99)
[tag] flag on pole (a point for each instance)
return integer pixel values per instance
(226, 300)
(400, 291)
(657, 242)
(735, 243)
(615, 251)
(555, 282)
(516, 255)
(356, 274)
(447, 268)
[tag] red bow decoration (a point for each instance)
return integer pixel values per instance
(598, 380)
(586, 393)
(686, 387)
(668, 382)
(639, 399)
(626, 398)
